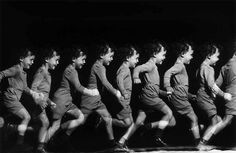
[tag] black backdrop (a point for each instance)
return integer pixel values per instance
(62, 24)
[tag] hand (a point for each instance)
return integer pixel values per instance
(43, 104)
(137, 81)
(118, 94)
(213, 95)
(169, 95)
(228, 96)
(52, 104)
(41, 96)
(35, 95)
(193, 97)
(94, 92)
(126, 96)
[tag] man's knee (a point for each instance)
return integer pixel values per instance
(170, 114)
(83, 120)
(215, 119)
(172, 122)
(80, 120)
(193, 118)
(128, 123)
(107, 120)
(139, 122)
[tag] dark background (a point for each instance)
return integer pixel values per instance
(63, 24)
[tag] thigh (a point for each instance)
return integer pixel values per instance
(43, 116)
(22, 113)
(166, 110)
(141, 117)
(103, 112)
(192, 116)
(75, 112)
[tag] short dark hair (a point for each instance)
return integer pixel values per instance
(126, 52)
(25, 53)
(103, 50)
(208, 50)
(150, 49)
(182, 48)
(77, 52)
(49, 53)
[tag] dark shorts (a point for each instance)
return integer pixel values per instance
(13, 105)
(147, 108)
(126, 112)
(206, 103)
(87, 109)
(37, 110)
(150, 100)
(61, 109)
(179, 99)
(230, 106)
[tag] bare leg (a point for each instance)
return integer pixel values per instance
(22, 127)
(108, 122)
(139, 121)
(71, 125)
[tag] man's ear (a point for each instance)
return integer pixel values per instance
(21, 59)
(101, 56)
(73, 59)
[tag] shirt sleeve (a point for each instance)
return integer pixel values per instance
(26, 88)
(101, 73)
(38, 78)
(74, 80)
(147, 67)
(210, 80)
(172, 71)
(162, 93)
(209, 77)
(8, 73)
(121, 74)
(49, 101)
(219, 80)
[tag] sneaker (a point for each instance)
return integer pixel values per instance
(160, 142)
(126, 147)
(204, 147)
(22, 148)
(41, 150)
(122, 148)
(119, 148)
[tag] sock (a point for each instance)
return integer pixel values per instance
(196, 141)
(112, 142)
(40, 145)
(158, 133)
(148, 126)
(13, 127)
(122, 140)
(20, 139)
(203, 141)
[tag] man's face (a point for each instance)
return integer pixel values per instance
(188, 55)
(27, 61)
(108, 57)
(80, 61)
(160, 56)
(133, 60)
(53, 62)
(215, 57)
